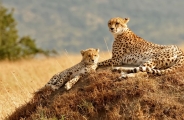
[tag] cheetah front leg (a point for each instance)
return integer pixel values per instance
(55, 85)
(146, 67)
(71, 82)
(110, 62)
(127, 74)
(55, 82)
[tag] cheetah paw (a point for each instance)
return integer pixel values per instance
(130, 75)
(116, 69)
(53, 87)
(123, 75)
(68, 86)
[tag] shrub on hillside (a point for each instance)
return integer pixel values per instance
(13, 47)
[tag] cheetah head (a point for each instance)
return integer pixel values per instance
(118, 25)
(90, 56)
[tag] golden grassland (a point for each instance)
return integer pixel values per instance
(143, 97)
(18, 80)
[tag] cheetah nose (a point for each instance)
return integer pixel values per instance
(112, 28)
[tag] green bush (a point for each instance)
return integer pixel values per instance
(13, 47)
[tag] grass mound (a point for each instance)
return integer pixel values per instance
(103, 96)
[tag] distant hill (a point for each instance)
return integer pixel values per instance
(76, 25)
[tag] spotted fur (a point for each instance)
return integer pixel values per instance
(71, 75)
(128, 48)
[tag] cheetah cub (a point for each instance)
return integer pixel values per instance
(71, 75)
(130, 49)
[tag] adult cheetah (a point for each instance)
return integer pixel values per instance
(71, 75)
(128, 48)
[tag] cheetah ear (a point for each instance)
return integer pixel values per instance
(82, 52)
(126, 20)
(98, 50)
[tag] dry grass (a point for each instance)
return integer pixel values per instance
(103, 96)
(18, 80)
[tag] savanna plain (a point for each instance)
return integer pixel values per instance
(101, 95)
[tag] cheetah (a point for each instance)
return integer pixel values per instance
(130, 49)
(71, 75)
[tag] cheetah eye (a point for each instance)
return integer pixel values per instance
(117, 23)
(89, 55)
